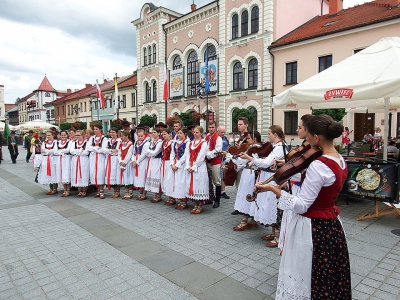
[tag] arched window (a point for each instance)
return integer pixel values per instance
(148, 92)
(237, 76)
(235, 26)
(176, 114)
(193, 77)
(245, 23)
(154, 53)
(253, 73)
(212, 53)
(234, 124)
(144, 57)
(149, 55)
(177, 64)
(253, 124)
(254, 19)
(154, 91)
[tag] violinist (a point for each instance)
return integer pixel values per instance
(246, 184)
(267, 212)
(316, 243)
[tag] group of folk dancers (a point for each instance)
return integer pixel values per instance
(305, 222)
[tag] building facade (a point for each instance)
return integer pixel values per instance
(2, 104)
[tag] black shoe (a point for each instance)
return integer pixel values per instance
(216, 205)
(236, 212)
(224, 195)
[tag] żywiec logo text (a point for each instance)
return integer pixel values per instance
(339, 93)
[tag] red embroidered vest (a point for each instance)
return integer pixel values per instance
(212, 141)
(166, 152)
(324, 205)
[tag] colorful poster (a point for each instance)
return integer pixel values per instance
(375, 181)
(176, 83)
(212, 74)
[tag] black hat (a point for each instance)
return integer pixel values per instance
(141, 126)
(12, 132)
(125, 123)
(191, 126)
(161, 124)
(30, 131)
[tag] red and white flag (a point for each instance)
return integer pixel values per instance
(165, 95)
(100, 95)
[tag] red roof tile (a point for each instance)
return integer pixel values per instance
(26, 97)
(123, 81)
(357, 16)
(46, 86)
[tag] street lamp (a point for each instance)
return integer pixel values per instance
(200, 94)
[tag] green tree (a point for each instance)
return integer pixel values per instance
(147, 120)
(187, 119)
(242, 112)
(337, 113)
(65, 126)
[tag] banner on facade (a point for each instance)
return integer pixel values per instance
(176, 83)
(212, 74)
(375, 181)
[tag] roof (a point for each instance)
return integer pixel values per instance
(354, 17)
(12, 109)
(26, 97)
(124, 81)
(46, 85)
(78, 94)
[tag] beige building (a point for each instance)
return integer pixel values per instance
(326, 40)
(2, 104)
(235, 36)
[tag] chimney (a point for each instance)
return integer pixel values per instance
(193, 6)
(87, 85)
(395, 3)
(68, 91)
(335, 6)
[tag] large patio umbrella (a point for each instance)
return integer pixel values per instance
(370, 78)
(36, 125)
(11, 127)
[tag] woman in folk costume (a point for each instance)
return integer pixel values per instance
(47, 171)
(198, 184)
(179, 174)
(97, 146)
(112, 170)
(154, 154)
(267, 212)
(246, 185)
(125, 168)
(36, 145)
(139, 162)
(63, 162)
(315, 262)
(166, 170)
(80, 163)
(294, 182)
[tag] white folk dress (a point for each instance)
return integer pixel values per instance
(47, 172)
(79, 164)
(154, 154)
(97, 146)
(112, 164)
(197, 188)
(139, 156)
(166, 170)
(126, 173)
(63, 161)
(266, 201)
(179, 178)
(294, 279)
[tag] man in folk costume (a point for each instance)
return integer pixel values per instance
(125, 153)
(112, 170)
(166, 170)
(161, 126)
(177, 127)
(127, 127)
(139, 162)
(80, 164)
(27, 145)
(98, 146)
(214, 159)
(154, 154)
(190, 131)
(13, 147)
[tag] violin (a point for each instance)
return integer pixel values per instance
(262, 151)
(295, 165)
(239, 147)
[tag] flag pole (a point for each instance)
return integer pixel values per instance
(207, 89)
(116, 100)
(97, 102)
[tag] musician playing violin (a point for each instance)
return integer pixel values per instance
(246, 184)
(267, 212)
(316, 243)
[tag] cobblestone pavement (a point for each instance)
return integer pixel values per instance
(73, 248)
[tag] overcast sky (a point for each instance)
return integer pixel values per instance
(73, 42)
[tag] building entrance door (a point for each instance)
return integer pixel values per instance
(363, 123)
